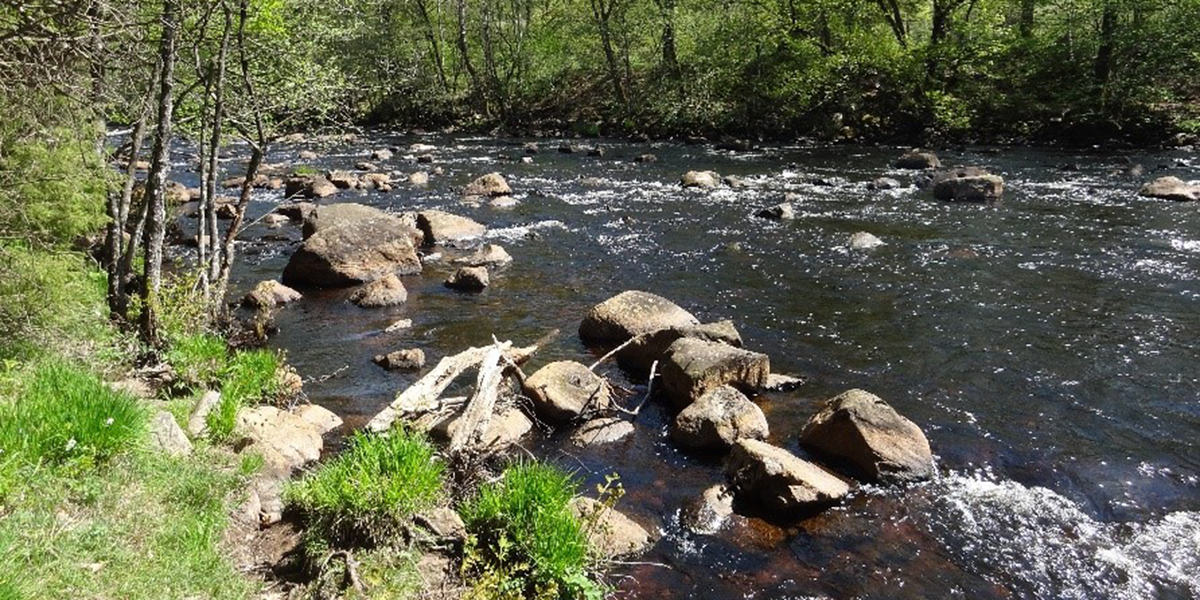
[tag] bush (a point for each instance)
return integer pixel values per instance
(250, 377)
(525, 539)
(372, 488)
(66, 415)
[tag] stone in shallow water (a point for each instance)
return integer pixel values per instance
(916, 159)
(719, 419)
(709, 513)
(468, 279)
(562, 390)
(859, 429)
(385, 291)
(409, 358)
(353, 253)
(605, 430)
(632, 313)
(692, 367)
(612, 534)
(779, 480)
(441, 227)
(864, 241)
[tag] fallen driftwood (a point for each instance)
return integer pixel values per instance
(424, 395)
(478, 412)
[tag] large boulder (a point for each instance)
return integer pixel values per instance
(440, 227)
(562, 390)
(639, 356)
(693, 367)
(492, 184)
(719, 419)
(970, 188)
(700, 179)
(346, 213)
(1171, 188)
(353, 253)
(632, 313)
(779, 480)
(916, 159)
(611, 533)
(385, 291)
(860, 430)
(269, 294)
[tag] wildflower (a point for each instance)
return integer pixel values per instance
(108, 421)
(71, 443)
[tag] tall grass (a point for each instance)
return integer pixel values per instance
(249, 377)
(65, 414)
(525, 537)
(198, 358)
(371, 489)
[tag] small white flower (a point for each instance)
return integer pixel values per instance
(108, 421)
(71, 443)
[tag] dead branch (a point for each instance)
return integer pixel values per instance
(478, 414)
(614, 351)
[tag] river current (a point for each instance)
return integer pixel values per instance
(1047, 345)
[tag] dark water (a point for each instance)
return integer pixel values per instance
(1047, 345)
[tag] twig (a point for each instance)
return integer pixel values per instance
(615, 350)
(649, 390)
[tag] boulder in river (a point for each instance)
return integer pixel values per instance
(700, 179)
(506, 428)
(419, 178)
(883, 183)
(308, 155)
(969, 188)
(491, 184)
(862, 240)
(602, 430)
(269, 294)
(349, 213)
(468, 279)
(381, 154)
(862, 431)
(639, 356)
(563, 390)
(709, 513)
(693, 367)
(353, 253)
(719, 419)
(734, 181)
(531, 148)
(308, 187)
(917, 159)
(632, 313)
(408, 358)
(780, 212)
(385, 291)
(488, 255)
(440, 227)
(343, 180)
(779, 480)
(1171, 188)
(612, 534)
(646, 158)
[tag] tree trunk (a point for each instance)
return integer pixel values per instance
(434, 46)
(602, 12)
(465, 53)
(160, 167)
(209, 237)
(895, 20)
(1108, 34)
(1026, 27)
(670, 57)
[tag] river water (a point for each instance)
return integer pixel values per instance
(1047, 345)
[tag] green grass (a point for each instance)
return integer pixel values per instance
(198, 359)
(65, 414)
(250, 377)
(525, 540)
(371, 489)
(148, 526)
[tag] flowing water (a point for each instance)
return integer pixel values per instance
(1047, 345)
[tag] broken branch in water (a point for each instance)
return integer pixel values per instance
(649, 390)
(614, 351)
(473, 423)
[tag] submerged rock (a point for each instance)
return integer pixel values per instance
(719, 419)
(468, 279)
(441, 227)
(488, 255)
(353, 253)
(779, 480)
(604, 430)
(492, 184)
(864, 241)
(646, 158)
(612, 534)
(381, 154)
(693, 367)
(700, 179)
(780, 212)
(709, 513)
(884, 183)
(632, 313)
(408, 358)
(269, 294)
(861, 430)
(562, 390)
(916, 159)
(1171, 188)
(385, 291)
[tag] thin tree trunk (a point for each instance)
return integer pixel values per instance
(1026, 27)
(160, 167)
(602, 11)
(1108, 34)
(895, 20)
(670, 58)
(434, 46)
(465, 52)
(209, 237)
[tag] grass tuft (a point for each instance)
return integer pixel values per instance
(250, 377)
(65, 415)
(525, 540)
(198, 359)
(369, 491)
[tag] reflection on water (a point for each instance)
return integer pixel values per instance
(1047, 345)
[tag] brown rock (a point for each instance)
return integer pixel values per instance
(974, 188)
(410, 358)
(611, 533)
(441, 227)
(641, 354)
(269, 294)
(700, 179)
(468, 279)
(167, 436)
(916, 159)
(489, 255)
(779, 480)
(719, 419)
(693, 367)
(492, 184)
(603, 430)
(353, 253)
(632, 313)
(862, 431)
(1171, 188)
(385, 291)
(563, 390)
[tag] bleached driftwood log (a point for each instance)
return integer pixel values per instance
(478, 412)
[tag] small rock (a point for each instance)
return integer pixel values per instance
(596, 152)
(419, 148)
(269, 294)
(197, 424)
(381, 154)
(779, 480)
(385, 291)
(700, 179)
(916, 159)
(632, 313)
(563, 390)
(531, 148)
(506, 428)
(568, 149)
(363, 165)
(640, 355)
(782, 383)
(444, 523)
(975, 188)
(612, 534)
(409, 359)
(308, 155)
(718, 419)
(425, 159)
(527, 160)
(603, 430)
(693, 367)
(646, 158)
(861, 430)
(468, 279)
(489, 255)
(883, 183)
(399, 326)
(779, 212)
(275, 220)
(492, 184)
(734, 181)
(1171, 188)
(420, 178)
(167, 436)
(708, 514)
(503, 202)
(864, 241)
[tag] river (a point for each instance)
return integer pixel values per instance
(1047, 345)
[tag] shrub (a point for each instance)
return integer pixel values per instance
(525, 539)
(250, 377)
(372, 488)
(66, 414)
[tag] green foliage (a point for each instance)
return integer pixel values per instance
(66, 415)
(198, 359)
(370, 490)
(526, 542)
(251, 376)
